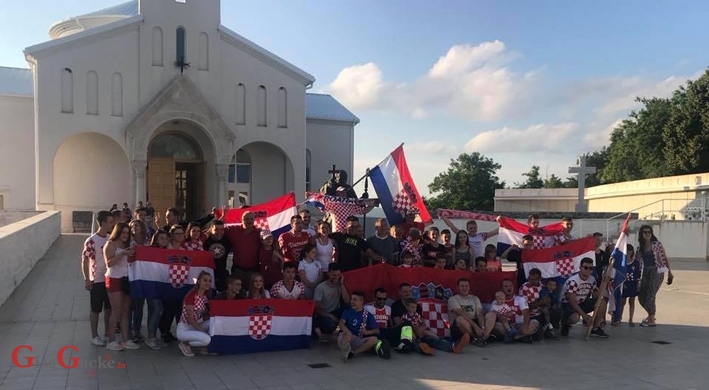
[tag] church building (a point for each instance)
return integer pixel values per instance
(156, 100)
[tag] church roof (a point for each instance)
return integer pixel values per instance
(16, 82)
(326, 107)
(126, 9)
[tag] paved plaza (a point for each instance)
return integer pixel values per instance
(49, 310)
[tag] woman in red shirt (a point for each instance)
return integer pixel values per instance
(193, 328)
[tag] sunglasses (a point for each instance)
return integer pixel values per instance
(587, 267)
(381, 299)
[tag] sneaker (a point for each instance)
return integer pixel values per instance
(114, 346)
(346, 350)
(458, 347)
(565, 330)
(153, 343)
(138, 338)
(426, 349)
(186, 350)
(548, 327)
(383, 349)
(479, 341)
(162, 343)
(130, 344)
(97, 341)
(526, 339)
(509, 337)
(551, 334)
(492, 338)
(321, 337)
(598, 332)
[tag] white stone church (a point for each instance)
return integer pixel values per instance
(157, 100)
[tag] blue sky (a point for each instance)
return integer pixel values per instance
(522, 82)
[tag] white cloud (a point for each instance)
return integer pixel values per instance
(536, 138)
(468, 81)
(358, 86)
(598, 139)
(431, 147)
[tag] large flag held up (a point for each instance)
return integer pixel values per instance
(425, 282)
(338, 207)
(559, 261)
(166, 274)
(396, 190)
(259, 325)
(618, 272)
(273, 215)
(511, 233)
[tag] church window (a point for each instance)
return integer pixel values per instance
(308, 159)
(203, 51)
(240, 104)
(261, 121)
(67, 90)
(180, 42)
(92, 93)
(282, 107)
(174, 146)
(157, 46)
(117, 94)
(240, 168)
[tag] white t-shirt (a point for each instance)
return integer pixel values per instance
(324, 254)
(312, 269)
(310, 231)
(279, 291)
(119, 269)
(93, 250)
(576, 285)
(477, 242)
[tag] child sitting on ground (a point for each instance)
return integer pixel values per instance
(504, 311)
(425, 339)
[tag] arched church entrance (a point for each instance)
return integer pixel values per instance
(180, 156)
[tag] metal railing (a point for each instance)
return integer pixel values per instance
(661, 210)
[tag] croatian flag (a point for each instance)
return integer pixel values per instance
(559, 261)
(273, 215)
(618, 272)
(396, 190)
(511, 233)
(316, 200)
(166, 274)
(259, 325)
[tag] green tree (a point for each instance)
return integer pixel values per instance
(686, 133)
(553, 182)
(468, 184)
(571, 182)
(533, 179)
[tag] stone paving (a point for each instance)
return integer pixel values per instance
(49, 310)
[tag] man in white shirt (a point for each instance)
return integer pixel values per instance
(579, 297)
(305, 215)
(288, 287)
(93, 268)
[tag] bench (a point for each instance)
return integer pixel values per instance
(82, 221)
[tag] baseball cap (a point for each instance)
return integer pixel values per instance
(265, 234)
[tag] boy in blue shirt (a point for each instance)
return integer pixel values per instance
(359, 331)
(551, 307)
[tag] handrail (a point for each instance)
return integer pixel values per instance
(660, 212)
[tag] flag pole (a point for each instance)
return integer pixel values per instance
(604, 285)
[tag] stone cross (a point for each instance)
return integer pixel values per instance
(582, 170)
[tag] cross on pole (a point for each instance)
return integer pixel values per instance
(333, 171)
(582, 170)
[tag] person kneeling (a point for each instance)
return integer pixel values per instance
(359, 330)
(424, 338)
(580, 296)
(193, 327)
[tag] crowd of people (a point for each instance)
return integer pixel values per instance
(308, 262)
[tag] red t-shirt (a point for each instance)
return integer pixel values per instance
(245, 246)
(270, 266)
(292, 244)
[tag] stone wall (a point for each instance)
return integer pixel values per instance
(22, 244)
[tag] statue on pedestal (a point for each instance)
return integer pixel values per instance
(337, 185)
